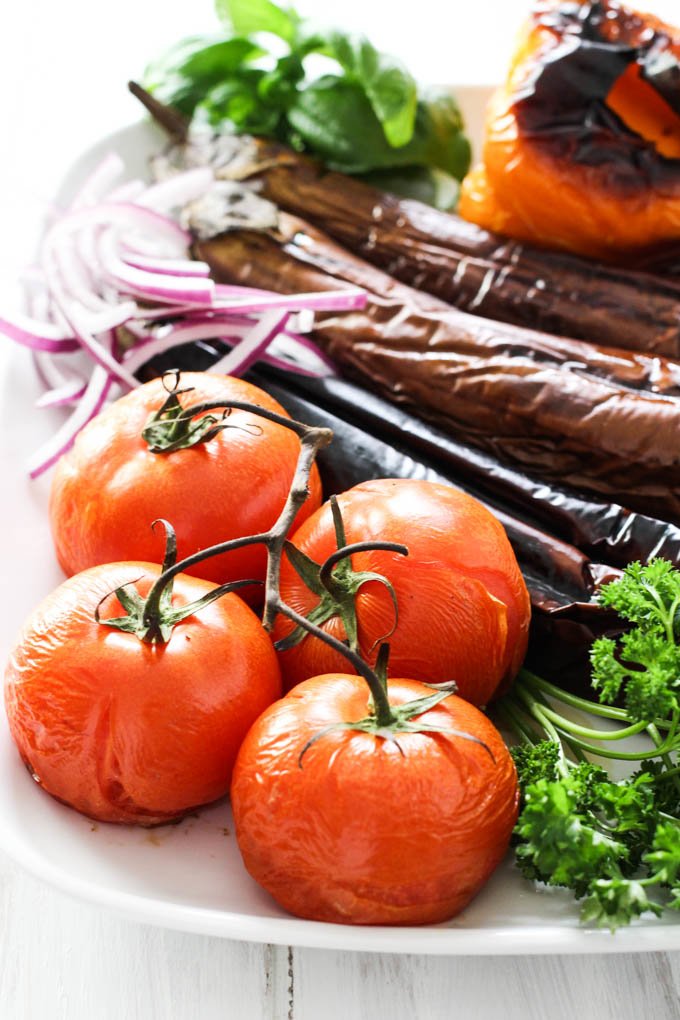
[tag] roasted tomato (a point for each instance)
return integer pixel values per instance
(110, 486)
(366, 830)
(582, 142)
(127, 731)
(463, 608)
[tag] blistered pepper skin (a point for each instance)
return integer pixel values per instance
(125, 731)
(582, 142)
(365, 831)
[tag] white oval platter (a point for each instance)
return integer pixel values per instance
(190, 876)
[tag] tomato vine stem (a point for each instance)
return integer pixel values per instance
(383, 712)
(152, 618)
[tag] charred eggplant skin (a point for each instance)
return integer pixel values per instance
(477, 270)
(477, 380)
(375, 438)
(481, 272)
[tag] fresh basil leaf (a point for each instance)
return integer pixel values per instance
(185, 73)
(334, 118)
(248, 16)
(174, 57)
(439, 134)
(279, 86)
(203, 58)
(239, 103)
(389, 87)
(426, 184)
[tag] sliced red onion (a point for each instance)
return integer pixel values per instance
(56, 372)
(237, 290)
(171, 267)
(130, 191)
(81, 322)
(153, 286)
(39, 336)
(75, 277)
(124, 216)
(300, 350)
(112, 317)
(69, 393)
(245, 353)
(176, 337)
(154, 312)
(178, 190)
(90, 404)
(100, 181)
(115, 284)
(98, 352)
(333, 301)
(217, 318)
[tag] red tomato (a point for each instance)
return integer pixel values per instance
(364, 833)
(125, 731)
(109, 487)
(463, 606)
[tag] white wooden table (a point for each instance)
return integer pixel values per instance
(62, 72)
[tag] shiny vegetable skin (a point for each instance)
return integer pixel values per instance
(463, 607)
(582, 142)
(481, 272)
(125, 731)
(541, 404)
(110, 487)
(363, 833)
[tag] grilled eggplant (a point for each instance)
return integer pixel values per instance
(481, 272)
(530, 404)
(478, 271)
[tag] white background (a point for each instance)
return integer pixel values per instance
(63, 68)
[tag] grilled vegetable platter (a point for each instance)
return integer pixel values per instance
(360, 464)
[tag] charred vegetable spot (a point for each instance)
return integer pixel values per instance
(662, 71)
(604, 94)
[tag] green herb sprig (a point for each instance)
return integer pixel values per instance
(364, 115)
(615, 844)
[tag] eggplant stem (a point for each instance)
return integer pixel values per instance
(170, 119)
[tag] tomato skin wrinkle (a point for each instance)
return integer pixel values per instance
(361, 834)
(109, 487)
(464, 609)
(126, 731)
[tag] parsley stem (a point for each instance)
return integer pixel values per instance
(538, 712)
(604, 752)
(573, 700)
(574, 728)
(667, 760)
(557, 727)
(506, 711)
(590, 734)
(671, 616)
(516, 709)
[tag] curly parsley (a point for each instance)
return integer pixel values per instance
(614, 844)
